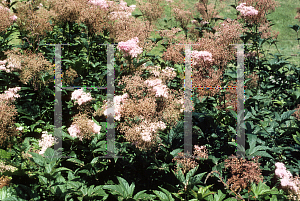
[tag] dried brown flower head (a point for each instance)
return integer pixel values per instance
(184, 163)
(184, 17)
(8, 131)
(151, 10)
(208, 11)
(5, 17)
(263, 7)
(187, 162)
(294, 195)
(243, 172)
(127, 28)
(85, 125)
(34, 19)
(66, 10)
(4, 181)
(152, 110)
(297, 113)
(33, 66)
(69, 76)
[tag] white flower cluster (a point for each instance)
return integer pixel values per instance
(47, 141)
(4, 167)
(149, 128)
(246, 10)
(274, 81)
(158, 87)
(117, 105)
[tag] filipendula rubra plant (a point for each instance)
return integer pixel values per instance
(146, 106)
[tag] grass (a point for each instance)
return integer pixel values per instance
(281, 17)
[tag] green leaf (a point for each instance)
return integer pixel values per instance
(77, 161)
(60, 169)
(220, 196)
(179, 175)
(277, 116)
(127, 189)
(95, 160)
(43, 180)
(169, 195)
(204, 192)
(297, 137)
(295, 27)
(161, 195)
(114, 189)
(176, 151)
(287, 114)
(261, 189)
(74, 185)
(49, 167)
(37, 158)
(197, 178)
(191, 173)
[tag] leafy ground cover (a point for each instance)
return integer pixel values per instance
(149, 102)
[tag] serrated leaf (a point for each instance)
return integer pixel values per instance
(179, 175)
(127, 189)
(60, 169)
(95, 160)
(191, 173)
(77, 161)
(161, 195)
(197, 178)
(74, 184)
(176, 151)
(277, 117)
(169, 195)
(287, 114)
(37, 158)
(257, 148)
(262, 153)
(114, 189)
(43, 180)
(220, 196)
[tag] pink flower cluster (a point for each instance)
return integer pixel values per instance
(101, 3)
(130, 47)
(169, 72)
(117, 105)
(74, 129)
(11, 94)
(12, 64)
(149, 128)
(47, 141)
(158, 87)
(285, 177)
(13, 18)
(207, 56)
(246, 10)
(81, 97)
(124, 12)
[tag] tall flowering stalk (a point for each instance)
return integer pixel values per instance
(130, 49)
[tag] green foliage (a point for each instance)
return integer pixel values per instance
(125, 192)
